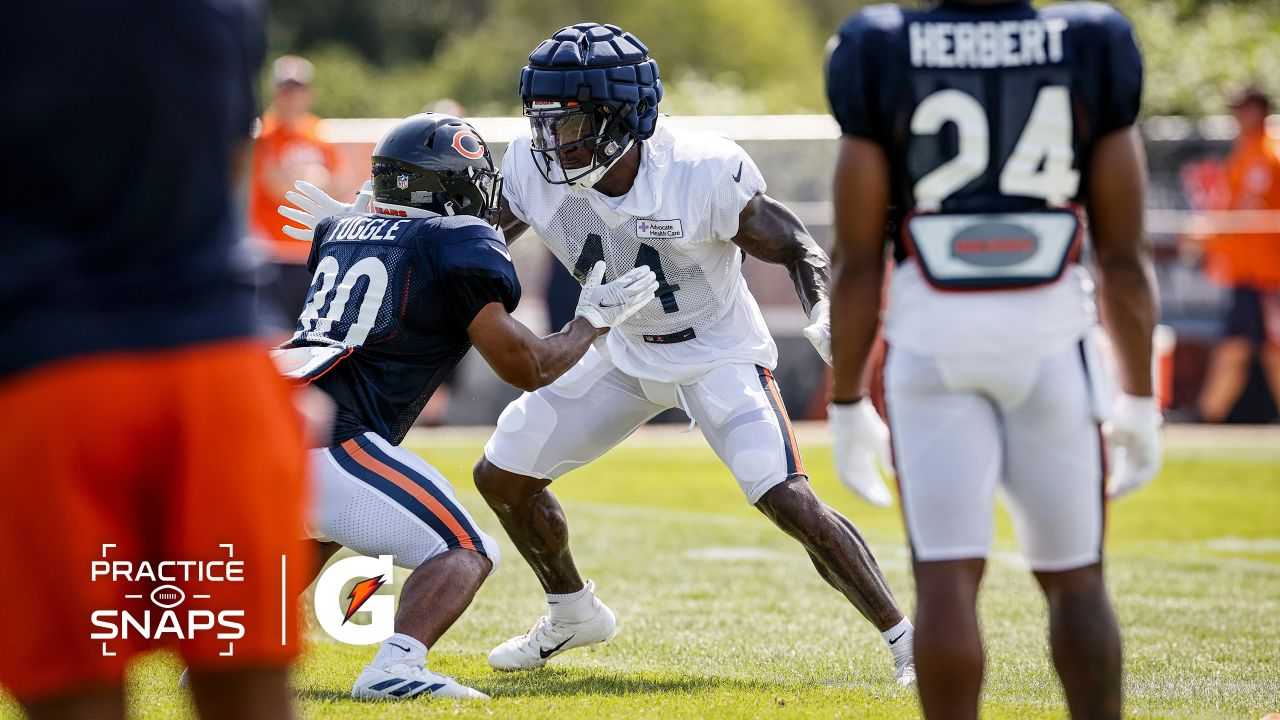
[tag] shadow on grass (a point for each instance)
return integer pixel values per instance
(570, 682)
(557, 682)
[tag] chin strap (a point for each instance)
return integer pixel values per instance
(587, 181)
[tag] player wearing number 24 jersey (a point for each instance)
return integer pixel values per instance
(981, 136)
(399, 296)
(601, 179)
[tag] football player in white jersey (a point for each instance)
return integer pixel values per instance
(602, 180)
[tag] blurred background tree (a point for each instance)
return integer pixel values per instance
(389, 58)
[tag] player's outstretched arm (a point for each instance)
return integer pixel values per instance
(529, 362)
(523, 359)
(1127, 300)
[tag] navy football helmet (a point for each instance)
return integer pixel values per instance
(435, 162)
(590, 92)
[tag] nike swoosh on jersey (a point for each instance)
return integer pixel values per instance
(738, 176)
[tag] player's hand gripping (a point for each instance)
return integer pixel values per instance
(819, 330)
(316, 205)
(607, 305)
(1134, 435)
(860, 446)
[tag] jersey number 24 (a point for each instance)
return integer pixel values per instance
(1040, 165)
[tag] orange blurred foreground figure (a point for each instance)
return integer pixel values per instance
(153, 480)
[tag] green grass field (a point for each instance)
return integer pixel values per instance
(720, 615)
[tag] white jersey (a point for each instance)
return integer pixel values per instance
(678, 219)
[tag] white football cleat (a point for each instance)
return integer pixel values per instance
(402, 682)
(548, 638)
(905, 674)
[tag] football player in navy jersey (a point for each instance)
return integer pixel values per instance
(144, 426)
(980, 137)
(399, 296)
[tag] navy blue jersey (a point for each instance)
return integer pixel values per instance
(118, 126)
(401, 292)
(985, 108)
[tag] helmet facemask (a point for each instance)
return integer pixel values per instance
(576, 143)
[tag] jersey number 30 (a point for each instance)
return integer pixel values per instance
(1040, 165)
(327, 273)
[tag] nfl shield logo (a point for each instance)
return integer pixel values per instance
(402, 182)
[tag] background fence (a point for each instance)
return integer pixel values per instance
(796, 154)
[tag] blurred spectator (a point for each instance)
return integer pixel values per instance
(1246, 262)
(287, 149)
(447, 106)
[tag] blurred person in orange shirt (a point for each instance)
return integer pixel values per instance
(288, 148)
(1246, 262)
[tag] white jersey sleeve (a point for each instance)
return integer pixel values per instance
(511, 182)
(739, 181)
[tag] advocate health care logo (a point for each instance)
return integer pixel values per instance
(161, 584)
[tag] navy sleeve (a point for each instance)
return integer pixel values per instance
(1124, 73)
(854, 75)
(475, 272)
(317, 239)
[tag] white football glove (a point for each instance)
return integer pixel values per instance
(819, 330)
(860, 446)
(316, 205)
(1133, 433)
(607, 305)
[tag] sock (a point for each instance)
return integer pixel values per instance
(572, 607)
(400, 649)
(900, 639)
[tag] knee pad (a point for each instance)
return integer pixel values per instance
(522, 431)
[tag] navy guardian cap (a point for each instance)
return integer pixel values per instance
(590, 92)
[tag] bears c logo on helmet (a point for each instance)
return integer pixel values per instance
(468, 145)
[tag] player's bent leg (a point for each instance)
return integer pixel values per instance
(1085, 640)
(434, 596)
(535, 521)
(536, 524)
(378, 499)
(539, 437)
(948, 645)
(744, 420)
(836, 546)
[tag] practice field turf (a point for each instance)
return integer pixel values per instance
(720, 615)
